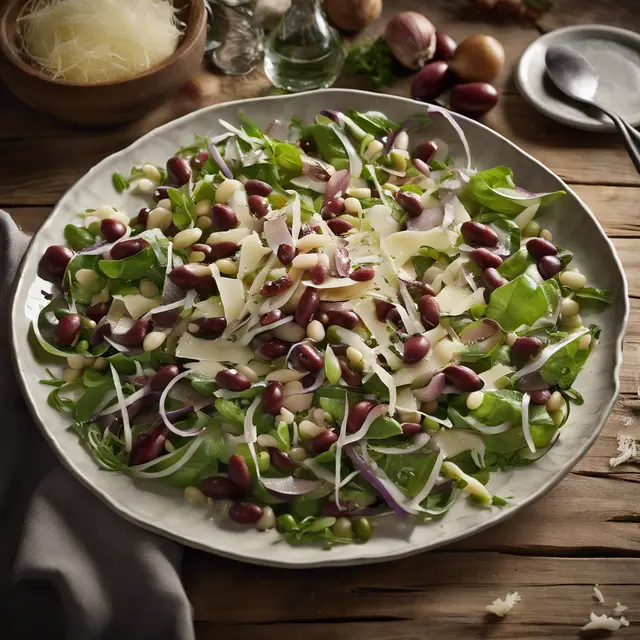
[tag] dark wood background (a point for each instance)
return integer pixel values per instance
(585, 531)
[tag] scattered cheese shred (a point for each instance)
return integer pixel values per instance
(597, 594)
(604, 622)
(500, 607)
(619, 608)
(628, 450)
(93, 41)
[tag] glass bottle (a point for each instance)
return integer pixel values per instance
(303, 52)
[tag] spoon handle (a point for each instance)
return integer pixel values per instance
(630, 136)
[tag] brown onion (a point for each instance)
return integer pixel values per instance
(478, 59)
(352, 15)
(411, 38)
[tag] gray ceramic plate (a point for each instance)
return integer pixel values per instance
(164, 510)
(615, 55)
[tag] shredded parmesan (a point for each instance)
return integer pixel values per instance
(628, 450)
(604, 622)
(500, 607)
(597, 594)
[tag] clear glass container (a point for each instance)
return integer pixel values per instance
(303, 52)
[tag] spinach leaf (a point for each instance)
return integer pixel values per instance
(501, 405)
(564, 365)
(517, 303)
(204, 191)
(286, 157)
(90, 400)
(184, 211)
(508, 231)
(384, 427)
(132, 268)
(496, 190)
(77, 237)
(516, 264)
(421, 264)
(328, 143)
(376, 124)
(409, 471)
(265, 171)
(590, 297)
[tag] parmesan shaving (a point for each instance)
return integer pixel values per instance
(500, 607)
(94, 41)
(628, 450)
(597, 594)
(604, 622)
(220, 350)
(405, 244)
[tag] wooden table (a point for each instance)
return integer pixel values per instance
(585, 531)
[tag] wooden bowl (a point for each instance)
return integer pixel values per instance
(106, 102)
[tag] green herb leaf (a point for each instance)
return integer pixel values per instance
(119, 182)
(590, 297)
(184, 210)
(374, 60)
(131, 268)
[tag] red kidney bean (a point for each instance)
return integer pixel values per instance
(308, 358)
(220, 488)
(493, 279)
(539, 247)
(258, 205)
(178, 170)
(526, 347)
(143, 216)
(66, 330)
(351, 377)
(430, 81)
(203, 248)
(274, 287)
(415, 348)
(212, 326)
(233, 380)
(308, 380)
(270, 317)
(56, 258)
(112, 230)
(548, 266)
(191, 276)
(220, 249)
(445, 47)
(223, 217)
(272, 349)
(97, 311)
(332, 208)
(363, 274)
(395, 318)
(429, 311)
(411, 428)
(257, 188)
(99, 333)
(273, 397)
(281, 460)
(463, 378)
(150, 447)
(339, 226)
(417, 289)
(478, 233)
(485, 259)
(164, 376)
(409, 202)
(383, 308)
(286, 253)
(160, 193)
(200, 159)
(135, 336)
(540, 397)
(128, 248)
(321, 317)
(307, 306)
(474, 98)
(319, 273)
(239, 472)
(358, 414)
(346, 319)
(339, 348)
(426, 151)
(245, 512)
(323, 441)
(307, 229)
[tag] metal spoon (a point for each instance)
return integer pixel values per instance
(576, 78)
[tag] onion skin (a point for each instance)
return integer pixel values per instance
(412, 39)
(352, 15)
(478, 59)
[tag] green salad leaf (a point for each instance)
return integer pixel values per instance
(184, 210)
(131, 268)
(517, 303)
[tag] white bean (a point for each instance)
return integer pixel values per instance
(297, 454)
(226, 190)
(100, 364)
(153, 340)
(315, 331)
(285, 375)
(193, 495)
(144, 185)
(361, 193)
(203, 208)
(308, 429)
(204, 222)
(76, 362)
(165, 203)
(443, 350)
(375, 146)
(292, 388)
(545, 234)
(159, 218)
(227, 267)
(299, 402)
(511, 338)
(305, 261)
(267, 520)
(555, 402)
(152, 172)
(584, 342)
(71, 374)
(290, 332)
(196, 256)
(573, 279)
(149, 289)
(572, 322)
(265, 440)
(86, 276)
(353, 355)
(186, 238)
(474, 400)
(286, 416)
(105, 211)
(312, 241)
(352, 205)
(248, 372)
(569, 307)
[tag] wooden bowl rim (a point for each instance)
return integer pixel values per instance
(197, 21)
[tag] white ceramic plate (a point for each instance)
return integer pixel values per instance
(165, 511)
(614, 54)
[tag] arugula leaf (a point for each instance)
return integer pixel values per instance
(564, 365)
(119, 182)
(265, 171)
(286, 157)
(250, 127)
(184, 211)
(376, 124)
(421, 264)
(328, 143)
(590, 297)
(517, 303)
(496, 190)
(131, 268)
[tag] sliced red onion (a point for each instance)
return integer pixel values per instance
(128, 439)
(217, 158)
(355, 164)
(276, 233)
(165, 416)
(388, 494)
(422, 167)
(427, 220)
(418, 443)
(343, 263)
(257, 330)
(290, 486)
(433, 390)
(276, 130)
(186, 303)
(336, 116)
(338, 183)
(315, 171)
(482, 331)
(446, 114)
(372, 416)
(416, 322)
(532, 382)
(378, 186)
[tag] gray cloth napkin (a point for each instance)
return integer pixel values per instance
(69, 566)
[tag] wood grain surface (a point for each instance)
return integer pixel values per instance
(586, 531)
